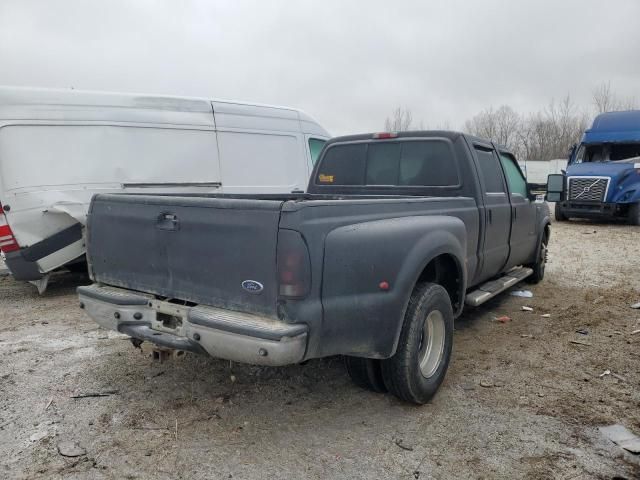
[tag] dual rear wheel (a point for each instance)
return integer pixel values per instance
(420, 363)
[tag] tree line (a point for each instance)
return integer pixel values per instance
(543, 135)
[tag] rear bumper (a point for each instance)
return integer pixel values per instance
(593, 210)
(220, 333)
(21, 268)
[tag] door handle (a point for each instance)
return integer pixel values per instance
(490, 216)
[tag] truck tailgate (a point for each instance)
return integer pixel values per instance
(197, 249)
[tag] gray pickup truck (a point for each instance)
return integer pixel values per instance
(395, 234)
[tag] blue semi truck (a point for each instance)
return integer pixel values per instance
(602, 179)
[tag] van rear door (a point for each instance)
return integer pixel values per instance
(262, 149)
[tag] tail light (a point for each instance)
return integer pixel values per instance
(8, 242)
(294, 266)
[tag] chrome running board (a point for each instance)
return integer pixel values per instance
(488, 290)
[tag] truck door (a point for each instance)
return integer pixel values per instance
(497, 212)
(523, 230)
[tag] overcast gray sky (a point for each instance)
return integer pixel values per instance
(346, 63)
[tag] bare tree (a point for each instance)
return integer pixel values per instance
(549, 133)
(543, 135)
(629, 103)
(603, 99)
(401, 120)
(501, 126)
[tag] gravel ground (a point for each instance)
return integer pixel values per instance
(520, 400)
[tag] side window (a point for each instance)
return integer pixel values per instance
(490, 170)
(343, 165)
(517, 183)
(315, 147)
(580, 155)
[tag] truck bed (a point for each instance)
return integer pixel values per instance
(199, 249)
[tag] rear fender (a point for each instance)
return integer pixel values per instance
(361, 316)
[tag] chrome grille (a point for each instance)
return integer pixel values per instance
(588, 189)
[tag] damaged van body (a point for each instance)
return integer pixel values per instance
(58, 148)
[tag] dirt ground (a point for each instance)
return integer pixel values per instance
(520, 400)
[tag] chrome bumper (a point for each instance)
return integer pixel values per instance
(221, 333)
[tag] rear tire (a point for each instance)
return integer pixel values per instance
(560, 217)
(634, 214)
(541, 261)
(420, 363)
(366, 373)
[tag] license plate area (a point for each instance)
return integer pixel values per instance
(168, 321)
(169, 318)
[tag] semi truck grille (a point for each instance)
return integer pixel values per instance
(588, 189)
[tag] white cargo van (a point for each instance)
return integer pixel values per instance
(58, 148)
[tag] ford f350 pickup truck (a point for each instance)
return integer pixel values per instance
(395, 234)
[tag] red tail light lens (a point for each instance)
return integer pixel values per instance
(8, 242)
(294, 266)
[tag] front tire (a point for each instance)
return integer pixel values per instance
(541, 261)
(634, 214)
(420, 363)
(560, 217)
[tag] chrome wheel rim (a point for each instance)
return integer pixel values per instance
(432, 344)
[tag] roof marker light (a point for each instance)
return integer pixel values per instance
(383, 135)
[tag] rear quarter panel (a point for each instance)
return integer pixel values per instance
(353, 243)
(359, 317)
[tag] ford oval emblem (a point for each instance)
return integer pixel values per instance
(252, 286)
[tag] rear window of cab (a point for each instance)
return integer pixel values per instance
(410, 163)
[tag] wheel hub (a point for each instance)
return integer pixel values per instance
(432, 344)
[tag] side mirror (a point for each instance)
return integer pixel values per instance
(555, 187)
(533, 190)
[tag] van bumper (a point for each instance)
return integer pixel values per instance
(21, 268)
(23, 263)
(221, 333)
(594, 210)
